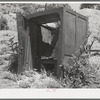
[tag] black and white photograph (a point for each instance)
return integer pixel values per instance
(49, 46)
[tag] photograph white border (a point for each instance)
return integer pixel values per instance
(44, 93)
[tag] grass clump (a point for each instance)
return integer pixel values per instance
(8, 75)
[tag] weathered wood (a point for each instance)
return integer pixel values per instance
(35, 39)
(28, 55)
(20, 36)
(46, 12)
(75, 30)
(81, 31)
(24, 47)
(69, 29)
(71, 34)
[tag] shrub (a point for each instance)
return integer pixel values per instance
(77, 71)
(13, 66)
(50, 6)
(87, 6)
(3, 23)
(80, 73)
(74, 76)
(13, 62)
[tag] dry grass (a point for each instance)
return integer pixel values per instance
(28, 79)
(36, 80)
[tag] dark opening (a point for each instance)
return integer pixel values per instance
(48, 67)
(44, 36)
